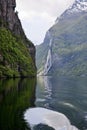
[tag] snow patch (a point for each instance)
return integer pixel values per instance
(78, 6)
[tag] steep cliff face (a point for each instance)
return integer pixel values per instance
(41, 54)
(9, 18)
(69, 42)
(11, 28)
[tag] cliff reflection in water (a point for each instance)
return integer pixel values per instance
(16, 95)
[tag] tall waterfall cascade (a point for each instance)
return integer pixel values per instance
(48, 63)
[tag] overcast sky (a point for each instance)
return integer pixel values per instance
(37, 16)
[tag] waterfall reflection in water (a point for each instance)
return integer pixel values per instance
(64, 95)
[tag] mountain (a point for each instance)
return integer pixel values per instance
(64, 50)
(17, 53)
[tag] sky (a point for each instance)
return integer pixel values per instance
(37, 16)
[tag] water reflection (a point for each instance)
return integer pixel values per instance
(43, 91)
(16, 95)
(38, 117)
(65, 95)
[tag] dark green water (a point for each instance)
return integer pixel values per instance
(65, 95)
(16, 96)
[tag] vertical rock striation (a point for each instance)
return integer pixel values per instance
(9, 17)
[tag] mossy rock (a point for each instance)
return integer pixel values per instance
(15, 59)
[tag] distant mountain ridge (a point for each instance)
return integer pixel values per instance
(68, 39)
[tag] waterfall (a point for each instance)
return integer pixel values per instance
(48, 63)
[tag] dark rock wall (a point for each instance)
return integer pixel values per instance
(9, 19)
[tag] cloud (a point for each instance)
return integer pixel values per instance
(52, 7)
(40, 15)
(36, 27)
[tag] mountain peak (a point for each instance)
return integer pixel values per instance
(81, 0)
(67, 55)
(78, 6)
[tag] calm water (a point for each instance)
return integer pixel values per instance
(15, 97)
(65, 95)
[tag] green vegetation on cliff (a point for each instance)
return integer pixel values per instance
(15, 60)
(69, 46)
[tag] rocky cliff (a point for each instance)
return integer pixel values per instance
(69, 43)
(17, 53)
